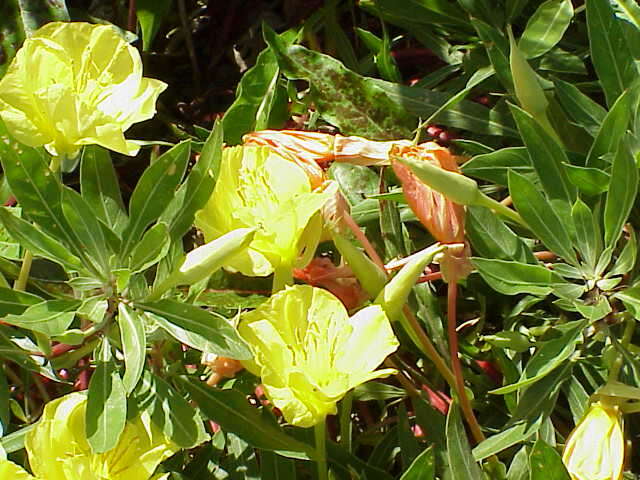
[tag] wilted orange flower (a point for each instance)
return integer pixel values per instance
(443, 218)
(311, 150)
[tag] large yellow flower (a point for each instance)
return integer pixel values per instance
(258, 188)
(58, 450)
(595, 449)
(74, 84)
(309, 353)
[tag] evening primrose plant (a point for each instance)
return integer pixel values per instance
(469, 170)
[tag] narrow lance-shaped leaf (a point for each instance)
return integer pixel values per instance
(610, 53)
(548, 159)
(229, 408)
(169, 409)
(87, 228)
(106, 403)
(38, 242)
(461, 462)
(546, 27)
(622, 193)
(134, 341)
(196, 190)
(154, 192)
(544, 219)
(100, 187)
(614, 125)
(212, 333)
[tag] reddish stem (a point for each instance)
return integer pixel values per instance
(465, 404)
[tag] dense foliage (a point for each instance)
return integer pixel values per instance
(375, 239)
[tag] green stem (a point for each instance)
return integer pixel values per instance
(282, 276)
(345, 421)
(25, 269)
(321, 450)
(501, 209)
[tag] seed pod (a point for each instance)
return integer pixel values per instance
(205, 260)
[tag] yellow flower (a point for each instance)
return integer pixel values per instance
(259, 188)
(309, 353)
(58, 450)
(595, 448)
(74, 84)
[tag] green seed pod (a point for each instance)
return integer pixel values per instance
(205, 260)
(529, 93)
(394, 295)
(370, 276)
(456, 187)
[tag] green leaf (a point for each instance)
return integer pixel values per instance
(410, 448)
(585, 112)
(151, 249)
(35, 13)
(542, 218)
(106, 403)
(461, 463)
(622, 193)
(517, 433)
(230, 409)
(495, 166)
(550, 355)
(610, 53)
(39, 193)
(196, 190)
(627, 258)
(170, 411)
(100, 187)
(466, 114)
(51, 317)
(546, 27)
(38, 242)
(497, 48)
(423, 467)
(417, 12)
(491, 238)
(519, 468)
(588, 234)
(561, 61)
(256, 87)
(545, 463)
(612, 130)
(150, 15)
(590, 181)
(548, 159)
(631, 299)
(206, 332)
(154, 192)
(354, 104)
(9, 247)
(134, 345)
(276, 467)
(510, 277)
(483, 9)
(15, 302)
(87, 229)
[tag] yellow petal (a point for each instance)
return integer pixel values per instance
(10, 470)
(74, 84)
(309, 353)
(259, 188)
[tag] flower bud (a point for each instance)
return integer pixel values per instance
(595, 448)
